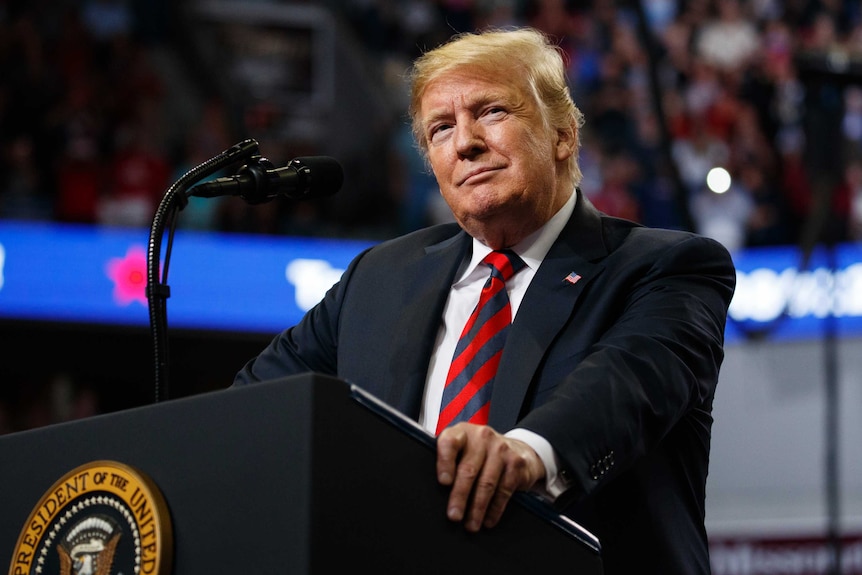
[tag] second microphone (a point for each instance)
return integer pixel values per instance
(302, 178)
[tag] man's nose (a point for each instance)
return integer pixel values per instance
(469, 139)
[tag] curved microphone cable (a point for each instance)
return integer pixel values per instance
(175, 199)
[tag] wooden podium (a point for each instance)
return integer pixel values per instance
(297, 476)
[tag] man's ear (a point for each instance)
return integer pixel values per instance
(567, 139)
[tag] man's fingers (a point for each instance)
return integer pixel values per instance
(484, 470)
(484, 489)
(462, 459)
(450, 442)
(498, 504)
(506, 469)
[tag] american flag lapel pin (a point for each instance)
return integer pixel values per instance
(572, 278)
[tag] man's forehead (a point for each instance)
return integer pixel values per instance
(463, 88)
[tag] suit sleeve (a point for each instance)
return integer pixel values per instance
(310, 345)
(655, 367)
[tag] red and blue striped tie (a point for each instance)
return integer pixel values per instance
(467, 395)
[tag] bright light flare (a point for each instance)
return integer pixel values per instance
(718, 180)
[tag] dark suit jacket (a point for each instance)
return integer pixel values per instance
(616, 369)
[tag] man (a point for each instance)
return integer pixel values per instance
(604, 388)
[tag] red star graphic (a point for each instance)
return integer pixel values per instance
(129, 275)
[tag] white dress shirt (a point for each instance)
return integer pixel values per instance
(462, 299)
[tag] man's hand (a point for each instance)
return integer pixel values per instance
(484, 469)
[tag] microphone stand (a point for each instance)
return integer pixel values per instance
(158, 291)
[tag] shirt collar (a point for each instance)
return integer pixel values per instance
(533, 248)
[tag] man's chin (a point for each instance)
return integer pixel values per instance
(492, 228)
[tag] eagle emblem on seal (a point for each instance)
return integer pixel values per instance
(89, 546)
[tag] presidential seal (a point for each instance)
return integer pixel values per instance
(101, 518)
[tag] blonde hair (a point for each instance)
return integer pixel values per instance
(505, 53)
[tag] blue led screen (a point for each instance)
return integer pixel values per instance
(252, 283)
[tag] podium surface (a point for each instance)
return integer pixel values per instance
(302, 475)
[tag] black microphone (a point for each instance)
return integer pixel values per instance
(303, 178)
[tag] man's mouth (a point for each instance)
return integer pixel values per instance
(477, 174)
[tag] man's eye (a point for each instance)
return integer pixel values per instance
(436, 131)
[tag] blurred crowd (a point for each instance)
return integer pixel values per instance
(79, 114)
(674, 88)
(61, 398)
(670, 89)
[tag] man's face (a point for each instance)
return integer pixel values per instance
(498, 167)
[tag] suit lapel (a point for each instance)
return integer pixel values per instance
(546, 308)
(426, 291)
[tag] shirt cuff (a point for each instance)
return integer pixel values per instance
(554, 484)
